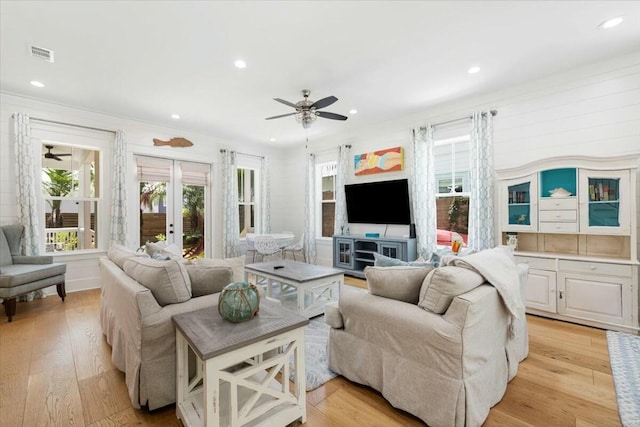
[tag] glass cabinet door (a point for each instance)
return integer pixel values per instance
(343, 253)
(520, 198)
(603, 199)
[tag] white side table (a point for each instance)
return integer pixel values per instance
(235, 380)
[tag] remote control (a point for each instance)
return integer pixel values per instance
(275, 267)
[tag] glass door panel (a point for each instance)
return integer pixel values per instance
(519, 204)
(604, 202)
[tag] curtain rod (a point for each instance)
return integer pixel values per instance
(493, 113)
(326, 150)
(223, 150)
(69, 124)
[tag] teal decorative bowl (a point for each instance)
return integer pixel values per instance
(239, 301)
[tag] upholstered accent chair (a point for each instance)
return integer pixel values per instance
(21, 274)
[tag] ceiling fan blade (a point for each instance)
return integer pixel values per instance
(282, 101)
(56, 157)
(324, 102)
(332, 116)
(281, 115)
(63, 154)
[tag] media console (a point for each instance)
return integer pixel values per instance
(352, 253)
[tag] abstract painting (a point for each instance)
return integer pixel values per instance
(387, 160)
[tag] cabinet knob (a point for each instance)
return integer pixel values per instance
(558, 216)
(593, 267)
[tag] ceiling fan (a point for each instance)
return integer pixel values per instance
(50, 155)
(307, 111)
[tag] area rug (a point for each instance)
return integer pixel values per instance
(316, 335)
(624, 352)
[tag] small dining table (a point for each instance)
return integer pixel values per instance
(283, 239)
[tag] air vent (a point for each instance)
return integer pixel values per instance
(41, 53)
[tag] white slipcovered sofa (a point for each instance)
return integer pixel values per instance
(436, 342)
(136, 315)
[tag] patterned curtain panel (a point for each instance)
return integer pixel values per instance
(481, 177)
(340, 219)
(118, 231)
(265, 195)
(310, 210)
(423, 190)
(230, 215)
(27, 203)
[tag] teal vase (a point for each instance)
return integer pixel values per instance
(239, 301)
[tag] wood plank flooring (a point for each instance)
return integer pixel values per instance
(55, 370)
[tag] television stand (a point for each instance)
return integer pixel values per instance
(352, 253)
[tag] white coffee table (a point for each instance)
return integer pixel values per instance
(313, 285)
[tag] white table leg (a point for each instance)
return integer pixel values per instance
(211, 395)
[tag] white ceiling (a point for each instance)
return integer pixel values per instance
(147, 60)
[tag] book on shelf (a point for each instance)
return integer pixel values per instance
(599, 192)
(605, 192)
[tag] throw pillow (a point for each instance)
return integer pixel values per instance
(385, 261)
(208, 280)
(119, 254)
(237, 264)
(160, 250)
(401, 283)
(168, 281)
(443, 284)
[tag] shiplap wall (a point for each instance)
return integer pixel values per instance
(592, 111)
(82, 268)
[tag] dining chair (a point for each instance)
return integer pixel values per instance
(267, 247)
(296, 247)
(251, 250)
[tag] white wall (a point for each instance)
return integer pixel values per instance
(82, 269)
(593, 110)
(590, 111)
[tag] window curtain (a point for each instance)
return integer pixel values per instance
(230, 215)
(265, 195)
(27, 203)
(423, 190)
(310, 210)
(118, 229)
(481, 178)
(340, 217)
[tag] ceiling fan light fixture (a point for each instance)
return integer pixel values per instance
(306, 118)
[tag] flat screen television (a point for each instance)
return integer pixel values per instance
(382, 202)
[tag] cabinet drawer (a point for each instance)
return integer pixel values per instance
(555, 203)
(559, 216)
(558, 227)
(538, 263)
(595, 267)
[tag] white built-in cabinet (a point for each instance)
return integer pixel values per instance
(575, 220)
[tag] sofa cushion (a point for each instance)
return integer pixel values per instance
(119, 254)
(5, 252)
(168, 281)
(445, 283)
(19, 274)
(237, 264)
(385, 261)
(401, 283)
(208, 280)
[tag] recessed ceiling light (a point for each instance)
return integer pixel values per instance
(272, 139)
(240, 64)
(353, 111)
(473, 69)
(175, 116)
(610, 23)
(36, 83)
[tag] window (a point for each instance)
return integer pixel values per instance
(452, 203)
(247, 200)
(326, 177)
(72, 197)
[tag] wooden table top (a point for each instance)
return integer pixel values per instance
(294, 270)
(210, 335)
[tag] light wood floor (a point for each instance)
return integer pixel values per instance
(55, 369)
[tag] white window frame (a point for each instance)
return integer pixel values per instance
(75, 137)
(253, 164)
(324, 169)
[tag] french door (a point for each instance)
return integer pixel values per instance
(173, 203)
